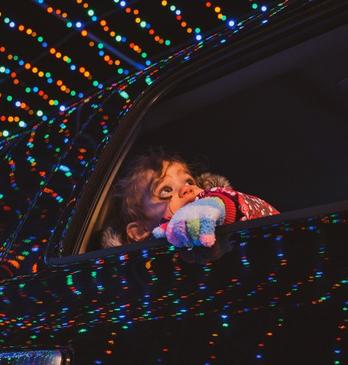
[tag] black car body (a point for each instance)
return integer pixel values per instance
(271, 291)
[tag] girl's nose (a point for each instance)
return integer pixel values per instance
(186, 190)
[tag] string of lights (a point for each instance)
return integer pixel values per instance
(27, 66)
(143, 24)
(30, 90)
(82, 70)
(94, 41)
(116, 37)
(183, 23)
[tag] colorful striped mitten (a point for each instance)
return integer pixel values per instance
(194, 224)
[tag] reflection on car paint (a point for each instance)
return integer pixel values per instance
(275, 270)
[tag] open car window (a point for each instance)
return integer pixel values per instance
(276, 128)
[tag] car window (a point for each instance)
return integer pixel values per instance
(271, 137)
(266, 127)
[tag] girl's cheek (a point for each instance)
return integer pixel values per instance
(175, 205)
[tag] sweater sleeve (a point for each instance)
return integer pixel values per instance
(240, 206)
(230, 205)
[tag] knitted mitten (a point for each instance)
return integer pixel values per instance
(194, 224)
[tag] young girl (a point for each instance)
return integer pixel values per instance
(160, 196)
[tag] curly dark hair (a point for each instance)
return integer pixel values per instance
(131, 189)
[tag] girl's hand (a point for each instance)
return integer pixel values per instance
(194, 224)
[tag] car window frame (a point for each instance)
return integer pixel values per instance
(249, 51)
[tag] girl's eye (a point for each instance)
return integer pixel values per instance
(190, 181)
(166, 192)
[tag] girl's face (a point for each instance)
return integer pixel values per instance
(171, 191)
